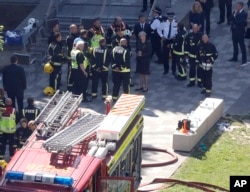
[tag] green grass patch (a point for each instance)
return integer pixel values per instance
(217, 156)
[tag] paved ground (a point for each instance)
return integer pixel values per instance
(169, 100)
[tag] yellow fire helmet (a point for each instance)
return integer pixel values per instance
(49, 91)
(48, 68)
(3, 164)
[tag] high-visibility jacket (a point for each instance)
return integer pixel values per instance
(8, 120)
(73, 55)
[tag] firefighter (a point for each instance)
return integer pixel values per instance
(22, 133)
(73, 34)
(179, 52)
(117, 24)
(206, 55)
(96, 33)
(117, 38)
(7, 129)
(192, 42)
(30, 112)
(79, 71)
(100, 66)
(56, 58)
(116, 42)
(167, 32)
(121, 68)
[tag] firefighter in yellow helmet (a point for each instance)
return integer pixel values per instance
(8, 129)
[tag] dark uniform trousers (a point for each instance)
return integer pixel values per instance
(178, 60)
(145, 3)
(228, 5)
(120, 78)
(165, 56)
(16, 95)
(194, 71)
(4, 137)
(207, 79)
(55, 77)
(80, 84)
(156, 45)
(238, 38)
(103, 75)
(69, 78)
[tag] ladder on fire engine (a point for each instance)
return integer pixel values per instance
(65, 140)
(57, 113)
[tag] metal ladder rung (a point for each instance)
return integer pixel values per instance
(60, 114)
(66, 139)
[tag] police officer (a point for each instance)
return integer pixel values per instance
(7, 129)
(206, 56)
(121, 68)
(22, 133)
(100, 66)
(56, 57)
(79, 71)
(179, 52)
(30, 112)
(167, 32)
(155, 37)
(96, 33)
(73, 34)
(191, 44)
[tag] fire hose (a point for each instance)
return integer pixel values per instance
(198, 185)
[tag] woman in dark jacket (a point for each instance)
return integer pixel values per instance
(143, 51)
(197, 16)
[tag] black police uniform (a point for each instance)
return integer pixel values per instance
(191, 44)
(30, 112)
(156, 40)
(121, 70)
(206, 56)
(55, 52)
(100, 66)
(22, 134)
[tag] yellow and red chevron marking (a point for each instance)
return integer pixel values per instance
(126, 105)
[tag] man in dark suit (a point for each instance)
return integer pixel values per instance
(238, 30)
(142, 26)
(14, 82)
(145, 5)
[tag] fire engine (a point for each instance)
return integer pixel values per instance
(73, 151)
